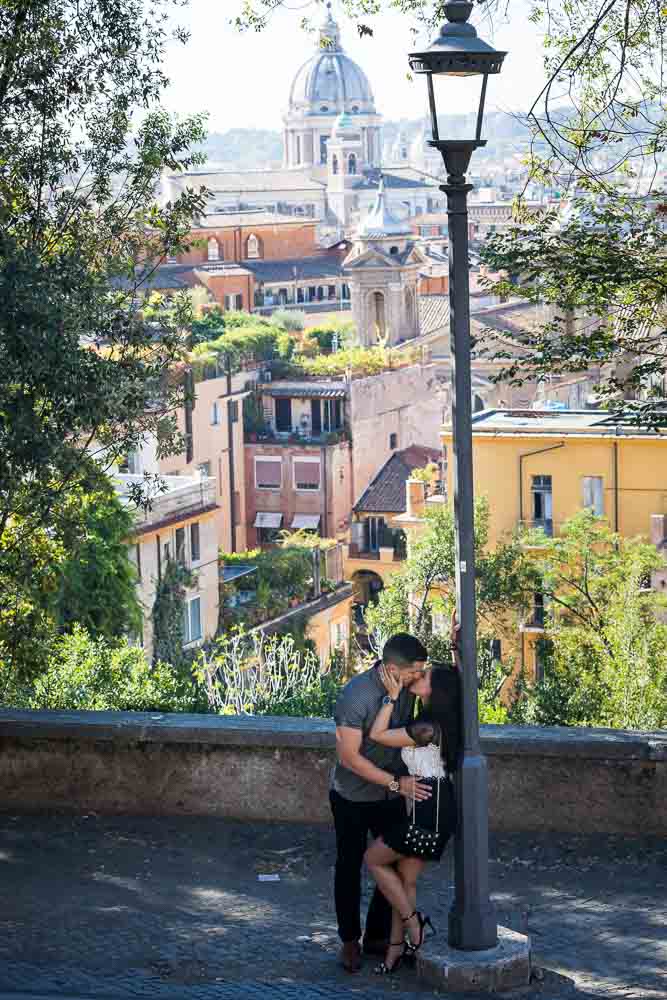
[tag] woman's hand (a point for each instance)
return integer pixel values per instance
(454, 640)
(392, 684)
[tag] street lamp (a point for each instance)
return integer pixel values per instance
(458, 52)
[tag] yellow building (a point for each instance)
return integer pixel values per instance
(538, 468)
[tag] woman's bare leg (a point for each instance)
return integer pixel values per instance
(409, 870)
(380, 860)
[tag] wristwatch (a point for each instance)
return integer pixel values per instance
(394, 785)
(388, 701)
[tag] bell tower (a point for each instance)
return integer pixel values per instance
(383, 274)
(345, 167)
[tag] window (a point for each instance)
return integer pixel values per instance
(234, 411)
(334, 164)
(329, 415)
(205, 470)
(324, 139)
(496, 649)
(593, 495)
(195, 548)
(284, 415)
(306, 473)
(298, 149)
(324, 109)
(192, 620)
(351, 164)
(393, 441)
(233, 302)
(253, 247)
(542, 497)
(268, 472)
(393, 251)
(215, 412)
(439, 623)
(213, 249)
(355, 109)
(180, 546)
(332, 291)
(373, 533)
(338, 632)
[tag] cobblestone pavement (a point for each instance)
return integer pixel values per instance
(126, 908)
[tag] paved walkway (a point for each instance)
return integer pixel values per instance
(113, 908)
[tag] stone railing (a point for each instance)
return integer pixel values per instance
(277, 769)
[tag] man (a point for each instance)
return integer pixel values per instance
(368, 788)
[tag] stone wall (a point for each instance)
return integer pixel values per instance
(564, 780)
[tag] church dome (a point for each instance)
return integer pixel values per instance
(330, 82)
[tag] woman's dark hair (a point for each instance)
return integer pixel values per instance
(444, 710)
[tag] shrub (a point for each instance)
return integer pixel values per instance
(98, 675)
(292, 321)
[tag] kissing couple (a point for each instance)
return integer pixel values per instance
(398, 733)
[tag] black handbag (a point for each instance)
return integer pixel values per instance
(429, 844)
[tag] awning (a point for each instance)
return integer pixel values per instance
(266, 519)
(310, 522)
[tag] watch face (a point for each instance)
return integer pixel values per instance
(387, 700)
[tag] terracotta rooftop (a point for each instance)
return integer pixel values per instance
(386, 493)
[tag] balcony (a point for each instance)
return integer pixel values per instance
(391, 547)
(167, 498)
(302, 437)
(535, 620)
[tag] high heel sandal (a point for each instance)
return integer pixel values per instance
(411, 949)
(388, 970)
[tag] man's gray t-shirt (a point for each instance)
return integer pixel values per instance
(357, 705)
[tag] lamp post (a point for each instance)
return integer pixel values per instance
(458, 52)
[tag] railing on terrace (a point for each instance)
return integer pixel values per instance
(545, 524)
(271, 436)
(388, 538)
(169, 496)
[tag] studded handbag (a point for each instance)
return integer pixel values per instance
(429, 844)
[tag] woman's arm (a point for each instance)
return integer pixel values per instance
(380, 730)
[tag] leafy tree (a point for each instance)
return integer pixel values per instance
(167, 613)
(603, 274)
(97, 580)
(426, 586)
(86, 368)
(605, 643)
(106, 675)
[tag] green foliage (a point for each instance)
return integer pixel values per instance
(425, 586)
(77, 570)
(90, 674)
(283, 573)
(343, 330)
(168, 611)
(97, 580)
(253, 414)
(603, 275)
(605, 647)
(361, 361)
(256, 674)
(427, 474)
(236, 339)
(292, 320)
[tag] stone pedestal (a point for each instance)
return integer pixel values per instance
(505, 967)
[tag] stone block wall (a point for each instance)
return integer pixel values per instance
(540, 779)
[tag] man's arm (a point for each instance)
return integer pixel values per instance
(348, 748)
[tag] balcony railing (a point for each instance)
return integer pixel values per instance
(388, 538)
(544, 524)
(168, 497)
(271, 436)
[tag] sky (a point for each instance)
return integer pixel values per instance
(243, 80)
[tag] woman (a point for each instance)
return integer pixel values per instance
(429, 747)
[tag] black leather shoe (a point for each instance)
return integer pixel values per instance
(375, 946)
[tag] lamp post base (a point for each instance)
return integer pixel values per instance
(504, 967)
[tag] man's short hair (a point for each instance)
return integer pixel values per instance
(403, 649)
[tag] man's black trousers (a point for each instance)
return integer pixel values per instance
(353, 822)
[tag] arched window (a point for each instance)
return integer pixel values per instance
(253, 247)
(334, 164)
(393, 250)
(324, 109)
(213, 249)
(377, 313)
(355, 109)
(352, 164)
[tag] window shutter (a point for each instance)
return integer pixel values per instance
(307, 474)
(269, 474)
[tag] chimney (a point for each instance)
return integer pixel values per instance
(415, 497)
